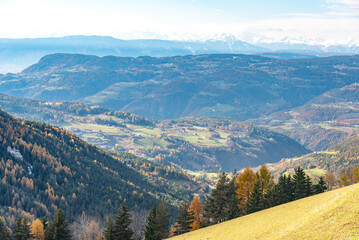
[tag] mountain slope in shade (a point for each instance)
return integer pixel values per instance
(330, 215)
(43, 168)
(235, 86)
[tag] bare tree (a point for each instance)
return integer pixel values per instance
(87, 227)
(139, 223)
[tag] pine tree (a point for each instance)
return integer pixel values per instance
(284, 191)
(22, 229)
(320, 187)
(150, 230)
(266, 179)
(58, 228)
(300, 184)
(196, 207)
(255, 202)
(216, 204)
(233, 201)
(121, 228)
(184, 219)
(308, 186)
(44, 222)
(4, 230)
(163, 222)
(157, 223)
(108, 232)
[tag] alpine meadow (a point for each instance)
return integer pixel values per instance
(182, 119)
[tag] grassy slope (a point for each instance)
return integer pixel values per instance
(331, 215)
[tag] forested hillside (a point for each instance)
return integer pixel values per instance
(43, 168)
(339, 160)
(194, 143)
(328, 119)
(235, 86)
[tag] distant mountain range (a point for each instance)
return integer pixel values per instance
(240, 87)
(17, 54)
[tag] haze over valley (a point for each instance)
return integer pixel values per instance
(185, 119)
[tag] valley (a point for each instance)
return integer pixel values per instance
(211, 144)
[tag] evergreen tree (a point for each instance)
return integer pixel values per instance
(284, 190)
(163, 222)
(150, 230)
(44, 222)
(58, 228)
(4, 230)
(266, 179)
(184, 219)
(320, 187)
(300, 184)
(157, 223)
(233, 201)
(121, 228)
(108, 232)
(22, 229)
(217, 202)
(255, 202)
(308, 186)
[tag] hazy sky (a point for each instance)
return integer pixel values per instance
(326, 21)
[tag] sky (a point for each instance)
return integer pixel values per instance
(296, 21)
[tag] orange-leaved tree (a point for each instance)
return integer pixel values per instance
(245, 183)
(196, 207)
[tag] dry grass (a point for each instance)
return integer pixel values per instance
(331, 215)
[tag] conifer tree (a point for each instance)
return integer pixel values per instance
(4, 230)
(196, 207)
(37, 230)
(44, 222)
(150, 231)
(255, 202)
(216, 204)
(266, 179)
(22, 229)
(233, 201)
(157, 222)
(245, 183)
(300, 184)
(320, 187)
(163, 221)
(58, 228)
(184, 219)
(108, 232)
(284, 191)
(308, 186)
(121, 228)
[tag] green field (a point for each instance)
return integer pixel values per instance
(330, 215)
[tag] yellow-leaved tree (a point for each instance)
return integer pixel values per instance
(196, 207)
(245, 183)
(37, 230)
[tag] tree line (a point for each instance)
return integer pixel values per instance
(242, 193)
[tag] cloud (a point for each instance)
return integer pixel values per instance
(344, 7)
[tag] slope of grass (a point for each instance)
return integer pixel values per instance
(331, 215)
